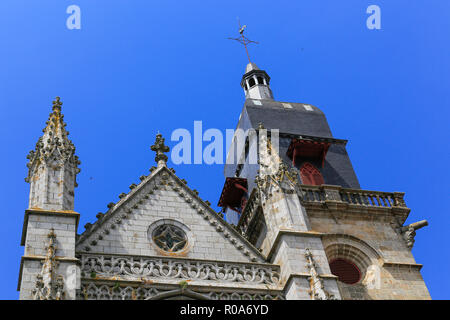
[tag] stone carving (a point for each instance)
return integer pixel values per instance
(160, 148)
(53, 166)
(54, 143)
(49, 285)
(409, 232)
(290, 173)
(316, 283)
(170, 268)
(93, 291)
(373, 277)
(284, 180)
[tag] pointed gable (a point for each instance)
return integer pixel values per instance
(160, 199)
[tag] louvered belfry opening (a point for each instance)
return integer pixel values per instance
(311, 175)
(346, 271)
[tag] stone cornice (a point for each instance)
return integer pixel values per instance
(38, 211)
(388, 264)
(313, 138)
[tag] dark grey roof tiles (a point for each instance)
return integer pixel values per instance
(288, 117)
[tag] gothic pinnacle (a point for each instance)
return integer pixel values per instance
(53, 156)
(57, 104)
(54, 137)
(160, 148)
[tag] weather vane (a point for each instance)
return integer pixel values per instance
(243, 39)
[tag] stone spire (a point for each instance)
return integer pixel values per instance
(255, 83)
(160, 148)
(53, 166)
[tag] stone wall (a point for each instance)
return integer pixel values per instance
(156, 202)
(373, 243)
(38, 224)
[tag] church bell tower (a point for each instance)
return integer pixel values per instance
(332, 239)
(255, 83)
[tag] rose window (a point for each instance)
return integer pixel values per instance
(170, 238)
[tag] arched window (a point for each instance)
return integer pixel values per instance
(260, 80)
(251, 82)
(346, 271)
(310, 175)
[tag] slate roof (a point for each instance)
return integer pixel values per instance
(288, 117)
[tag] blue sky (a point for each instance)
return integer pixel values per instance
(137, 67)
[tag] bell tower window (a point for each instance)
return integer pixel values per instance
(311, 175)
(255, 83)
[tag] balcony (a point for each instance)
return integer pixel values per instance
(330, 197)
(352, 196)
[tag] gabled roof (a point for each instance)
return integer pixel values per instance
(163, 177)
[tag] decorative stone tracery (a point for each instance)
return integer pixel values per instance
(113, 291)
(132, 268)
(49, 285)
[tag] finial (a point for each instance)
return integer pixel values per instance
(51, 234)
(57, 104)
(260, 126)
(160, 148)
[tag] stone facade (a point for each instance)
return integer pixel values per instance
(161, 241)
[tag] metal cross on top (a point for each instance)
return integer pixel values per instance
(243, 39)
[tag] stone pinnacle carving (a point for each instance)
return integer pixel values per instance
(53, 165)
(57, 104)
(316, 283)
(49, 285)
(160, 148)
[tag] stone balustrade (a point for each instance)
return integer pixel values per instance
(352, 196)
(328, 194)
